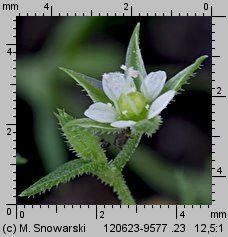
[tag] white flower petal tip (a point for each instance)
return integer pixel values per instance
(114, 84)
(101, 112)
(123, 124)
(160, 103)
(153, 84)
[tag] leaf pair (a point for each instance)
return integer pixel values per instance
(92, 161)
(85, 144)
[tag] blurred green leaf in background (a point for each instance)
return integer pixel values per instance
(38, 79)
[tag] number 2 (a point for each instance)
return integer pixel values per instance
(9, 131)
(125, 6)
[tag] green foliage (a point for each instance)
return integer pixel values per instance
(176, 82)
(134, 57)
(92, 161)
(189, 186)
(153, 170)
(38, 81)
(93, 125)
(122, 190)
(83, 141)
(148, 127)
(64, 173)
(92, 86)
(125, 154)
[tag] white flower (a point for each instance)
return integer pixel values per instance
(130, 105)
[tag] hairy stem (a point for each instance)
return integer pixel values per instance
(111, 173)
(115, 179)
(125, 154)
(122, 190)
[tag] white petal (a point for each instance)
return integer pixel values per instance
(101, 112)
(123, 124)
(152, 85)
(160, 103)
(132, 73)
(115, 84)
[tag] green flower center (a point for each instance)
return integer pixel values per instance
(132, 106)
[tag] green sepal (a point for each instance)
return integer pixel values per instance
(82, 141)
(176, 82)
(92, 86)
(134, 57)
(94, 125)
(148, 127)
(62, 174)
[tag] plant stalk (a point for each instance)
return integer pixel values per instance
(129, 148)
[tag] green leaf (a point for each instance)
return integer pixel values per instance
(21, 160)
(64, 173)
(186, 193)
(148, 127)
(82, 140)
(96, 126)
(134, 57)
(176, 82)
(92, 86)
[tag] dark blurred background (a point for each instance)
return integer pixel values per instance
(172, 167)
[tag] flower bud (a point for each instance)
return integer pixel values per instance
(132, 105)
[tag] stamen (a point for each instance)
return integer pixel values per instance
(124, 67)
(124, 112)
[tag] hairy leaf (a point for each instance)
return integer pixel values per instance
(64, 173)
(134, 57)
(92, 86)
(176, 82)
(149, 127)
(82, 140)
(89, 123)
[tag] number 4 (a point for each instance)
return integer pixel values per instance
(9, 51)
(219, 170)
(182, 214)
(46, 6)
